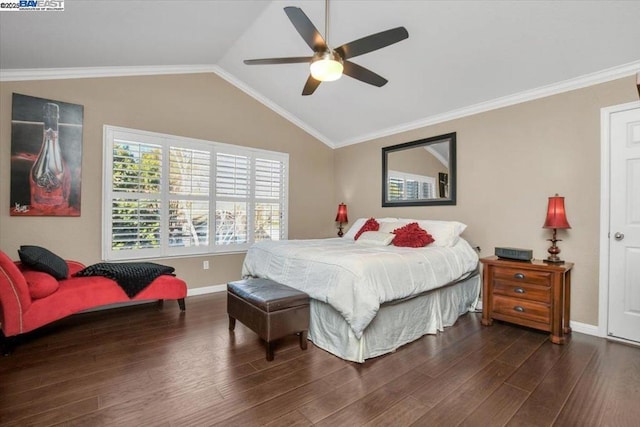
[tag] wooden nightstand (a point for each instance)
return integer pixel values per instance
(533, 294)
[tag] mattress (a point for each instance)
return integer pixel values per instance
(356, 279)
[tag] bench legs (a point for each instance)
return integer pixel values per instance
(7, 344)
(270, 344)
(269, 351)
(160, 304)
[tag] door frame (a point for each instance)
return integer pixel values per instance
(605, 184)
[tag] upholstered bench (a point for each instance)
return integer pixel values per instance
(270, 309)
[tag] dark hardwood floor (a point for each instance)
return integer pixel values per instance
(141, 366)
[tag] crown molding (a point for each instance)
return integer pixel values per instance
(8, 75)
(529, 95)
(273, 106)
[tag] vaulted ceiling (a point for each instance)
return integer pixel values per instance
(461, 57)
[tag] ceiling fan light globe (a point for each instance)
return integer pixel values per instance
(326, 67)
(326, 70)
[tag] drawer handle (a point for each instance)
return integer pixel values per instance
(519, 291)
(519, 276)
(519, 309)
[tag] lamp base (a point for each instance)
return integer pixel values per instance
(553, 250)
(340, 233)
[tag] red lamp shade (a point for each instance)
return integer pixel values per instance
(342, 213)
(556, 215)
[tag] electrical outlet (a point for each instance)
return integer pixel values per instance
(205, 265)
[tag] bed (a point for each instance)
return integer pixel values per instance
(369, 298)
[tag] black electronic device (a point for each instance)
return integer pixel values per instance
(514, 254)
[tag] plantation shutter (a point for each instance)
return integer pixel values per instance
(136, 196)
(166, 195)
(269, 199)
(189, 187)
(232, 197)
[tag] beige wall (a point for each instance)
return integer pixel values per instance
(509, 162)
(194, 105)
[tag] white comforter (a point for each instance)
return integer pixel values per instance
(353, 278)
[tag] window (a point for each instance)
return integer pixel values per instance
(172, 196)
(406, 186)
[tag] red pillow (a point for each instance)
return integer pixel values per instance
(40, 284)
(412, 236)
(370, 225)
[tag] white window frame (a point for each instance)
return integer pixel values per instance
(113, 133)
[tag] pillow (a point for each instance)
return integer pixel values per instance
(412, 236)
(370, 225)
(445, 233)
(40, 284)
(10, 271)
(375, 238)
(390, 227)
(355, 227)
(43, 260)
(360, 222)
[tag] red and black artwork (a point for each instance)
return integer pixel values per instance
(46, 157)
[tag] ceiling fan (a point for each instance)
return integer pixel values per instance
(329, 64)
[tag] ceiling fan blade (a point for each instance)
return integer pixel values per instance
(292, 60)
(310, 86)
(358, 72)
(372, 42)
(305, 28)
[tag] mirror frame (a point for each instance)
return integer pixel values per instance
(451, 200)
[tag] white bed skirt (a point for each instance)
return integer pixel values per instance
(395, 324)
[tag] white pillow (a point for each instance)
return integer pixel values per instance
(389, 227)
(375, 238)
(353, 230)
(445, 233)
(351, 234)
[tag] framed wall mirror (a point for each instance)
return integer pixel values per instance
(420, 173)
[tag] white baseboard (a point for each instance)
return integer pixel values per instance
(206, 290)
(585, 328)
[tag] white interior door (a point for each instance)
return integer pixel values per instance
(624, 238)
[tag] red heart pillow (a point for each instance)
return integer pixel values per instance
(412, 236)
(370, 225)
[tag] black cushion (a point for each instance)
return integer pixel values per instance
(44, 260)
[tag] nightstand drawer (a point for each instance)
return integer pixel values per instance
(522, 309)
(513, 289)
(522, 275)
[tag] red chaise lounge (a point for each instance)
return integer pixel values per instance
(27, 303)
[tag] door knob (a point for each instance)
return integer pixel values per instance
(618, 236)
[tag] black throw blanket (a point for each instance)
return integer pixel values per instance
(132, 277)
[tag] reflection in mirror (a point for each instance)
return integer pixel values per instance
(420, 173)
